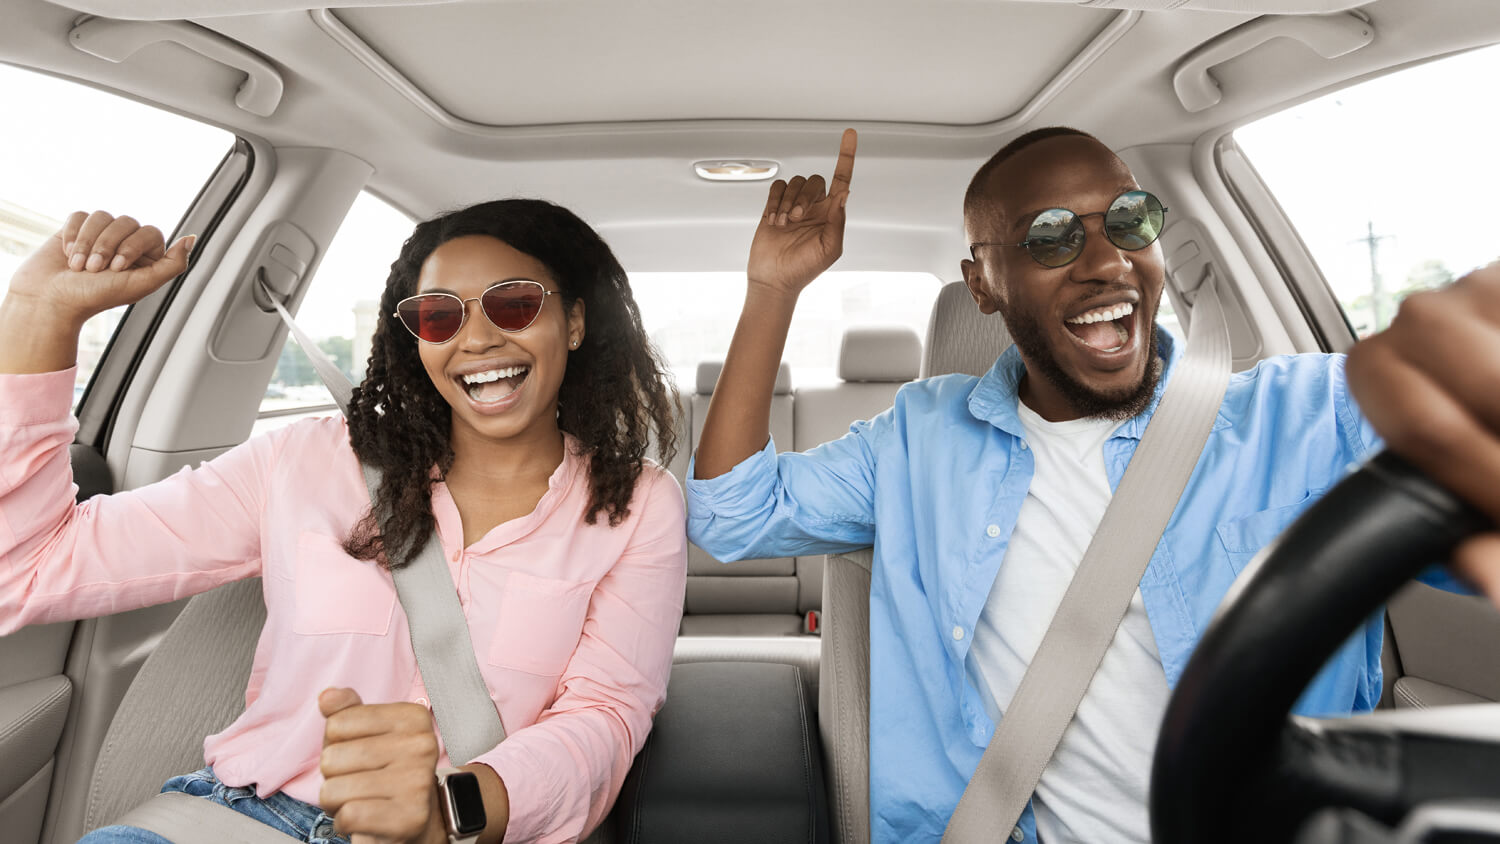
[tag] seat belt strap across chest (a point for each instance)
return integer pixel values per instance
(466, 716)
(1101, 590)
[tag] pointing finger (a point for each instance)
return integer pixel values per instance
(843, 171)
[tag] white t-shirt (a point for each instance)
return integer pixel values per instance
(1095, 787)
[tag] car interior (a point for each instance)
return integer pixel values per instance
(658, 123)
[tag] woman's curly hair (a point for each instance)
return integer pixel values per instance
(613, 397)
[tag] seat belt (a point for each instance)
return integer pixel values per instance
(466, 716)
(1101, 590)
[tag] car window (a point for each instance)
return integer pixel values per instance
(151, 169)
(1390, 183)
(691, 316)
(339, 311)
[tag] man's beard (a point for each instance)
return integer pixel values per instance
(1026, 331)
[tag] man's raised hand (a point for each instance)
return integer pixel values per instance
(801, 231)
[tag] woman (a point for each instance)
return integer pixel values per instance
(510, 396)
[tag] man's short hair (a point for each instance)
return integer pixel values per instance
(975, 196)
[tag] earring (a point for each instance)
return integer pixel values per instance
(573, 345)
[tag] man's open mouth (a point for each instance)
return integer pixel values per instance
(1105, 329)
(494, 385)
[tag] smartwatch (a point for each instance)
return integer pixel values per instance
(463, 806)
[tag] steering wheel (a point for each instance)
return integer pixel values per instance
(1232, 766)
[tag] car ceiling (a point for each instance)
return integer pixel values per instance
(603, 106)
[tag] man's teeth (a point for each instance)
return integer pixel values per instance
(1118, 311)
(493, 375)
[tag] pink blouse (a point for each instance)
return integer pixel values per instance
(573, 624)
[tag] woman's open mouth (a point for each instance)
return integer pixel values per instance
(494, 388)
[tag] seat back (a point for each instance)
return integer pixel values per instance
(192, 685)
(751, 597)
(959, 339)
(874, 362)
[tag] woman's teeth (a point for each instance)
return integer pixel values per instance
(493, 375)
(1122, 310)
(494, 384)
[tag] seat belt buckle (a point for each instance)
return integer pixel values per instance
(812, 623)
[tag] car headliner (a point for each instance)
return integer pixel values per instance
(604, 106)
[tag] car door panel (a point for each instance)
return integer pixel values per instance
(1446, 647)
(34, 704)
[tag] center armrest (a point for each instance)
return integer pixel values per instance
(733, 757)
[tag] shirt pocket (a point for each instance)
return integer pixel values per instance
(335, 593)
(1245, 536)
(541, 620)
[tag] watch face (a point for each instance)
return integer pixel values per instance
(465, 805)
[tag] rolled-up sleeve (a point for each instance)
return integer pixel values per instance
(563, 772)
(62, 561)
(820, 501)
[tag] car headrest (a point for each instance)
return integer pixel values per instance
(708, 376)
(880, 353)
(959, 337)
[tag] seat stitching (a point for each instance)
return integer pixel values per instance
(1406, 695)
(807, 785)
(840, 689)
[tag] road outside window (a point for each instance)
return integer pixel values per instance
(50, 168)
(1390, 183)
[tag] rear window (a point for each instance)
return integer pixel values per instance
(691, 316)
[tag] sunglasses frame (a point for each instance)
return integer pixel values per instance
(464, 308)
(1026, 244)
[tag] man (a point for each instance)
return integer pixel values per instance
(981, 495)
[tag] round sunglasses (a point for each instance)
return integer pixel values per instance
(438, 317)
(1055, 239)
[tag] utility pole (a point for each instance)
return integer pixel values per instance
(1377, 288)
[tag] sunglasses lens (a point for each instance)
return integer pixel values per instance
(1134, 220)
(1055, 237)
(434, 317)
(513, 306)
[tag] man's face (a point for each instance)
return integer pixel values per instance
(1079, 362)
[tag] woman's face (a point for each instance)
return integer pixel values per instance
(529, 363)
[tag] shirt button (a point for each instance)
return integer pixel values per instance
(992, 531)
(422, 701)
(1017, 835)
(1024, 446)
(958, 634)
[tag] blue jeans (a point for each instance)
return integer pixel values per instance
(302, 821)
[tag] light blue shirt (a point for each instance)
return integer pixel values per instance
(935, 485)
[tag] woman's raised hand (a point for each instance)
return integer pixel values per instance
(96, 262)
(801, 231)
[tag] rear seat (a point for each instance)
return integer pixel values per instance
(751, 597)
(760, 598)
(873, 364)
